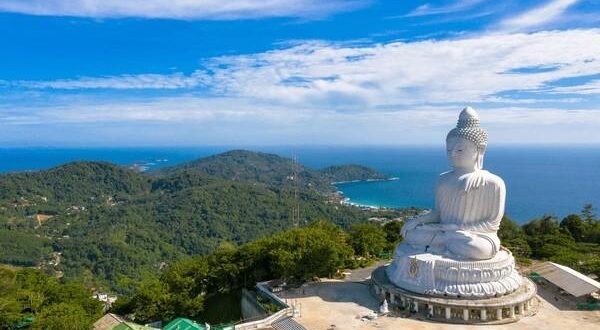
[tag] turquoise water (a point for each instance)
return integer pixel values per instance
(540, 180)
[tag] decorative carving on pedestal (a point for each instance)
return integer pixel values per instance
(447, 277)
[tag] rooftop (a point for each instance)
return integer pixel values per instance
(567, 278)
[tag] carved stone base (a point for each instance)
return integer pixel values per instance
(438, 275)
(495, 310)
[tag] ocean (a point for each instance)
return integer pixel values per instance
(556, 180)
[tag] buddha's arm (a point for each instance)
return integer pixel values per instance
(431, 217)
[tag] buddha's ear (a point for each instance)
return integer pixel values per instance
(480, 154)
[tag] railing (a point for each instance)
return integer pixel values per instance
(267, 321)
(262, 287)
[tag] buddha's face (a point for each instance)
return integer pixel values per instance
(462, 153)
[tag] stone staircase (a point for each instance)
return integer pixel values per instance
(287, 323)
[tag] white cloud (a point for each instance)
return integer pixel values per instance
(360, 78)
(141, 81)
(412, 73)
(538, 16)
(396, 93)
(180, 9)
(428, 9)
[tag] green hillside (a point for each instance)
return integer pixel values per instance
(76, 182)
(249, 166)
(111, 224)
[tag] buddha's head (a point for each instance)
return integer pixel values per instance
(466, 143)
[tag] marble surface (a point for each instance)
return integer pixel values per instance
(455, 250)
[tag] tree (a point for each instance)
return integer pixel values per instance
(55, 305)
(519, 247)
(187, 283)
(513, 237)
(575, 226)
(588, 213)
(10, 308)
(509, 229)
(224, 268)
(284, 261)
(10, 312)
(392, 232)
(149, 303)
(319, 250)
(547, 225)
(544, 246)
(367, 239)
(63, 316)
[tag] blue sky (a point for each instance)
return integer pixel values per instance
(242, 72)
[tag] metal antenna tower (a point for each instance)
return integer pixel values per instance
(296, 209)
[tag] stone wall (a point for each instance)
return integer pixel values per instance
(251, 309)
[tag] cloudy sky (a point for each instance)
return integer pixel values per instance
(278, 72)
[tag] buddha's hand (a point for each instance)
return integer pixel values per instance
(474, 181)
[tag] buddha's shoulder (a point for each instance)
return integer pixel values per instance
(488, 179)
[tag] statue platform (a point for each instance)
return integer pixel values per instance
(441, 275)
(493, 310)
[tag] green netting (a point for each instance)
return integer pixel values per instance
(24, 323)
(223, 326)
(535, 276)
(589, 307)
(131, 326)
(181, 323)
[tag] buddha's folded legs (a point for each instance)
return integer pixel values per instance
(435, 238)
(470, 245)
(430, 237)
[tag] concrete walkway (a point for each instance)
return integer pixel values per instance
(344, 305)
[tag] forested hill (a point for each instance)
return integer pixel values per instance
(352, 172)
(111, 224)
(73, 182)
(270, 169)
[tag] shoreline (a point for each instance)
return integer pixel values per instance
(366, 180)
(346, 200)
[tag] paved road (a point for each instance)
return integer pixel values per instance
(362, 274)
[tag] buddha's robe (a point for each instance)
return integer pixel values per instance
(466, 216)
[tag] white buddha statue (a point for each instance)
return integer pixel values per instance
(454, 250)
(469, 201)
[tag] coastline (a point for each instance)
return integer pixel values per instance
(367, 180)
(347, 201)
